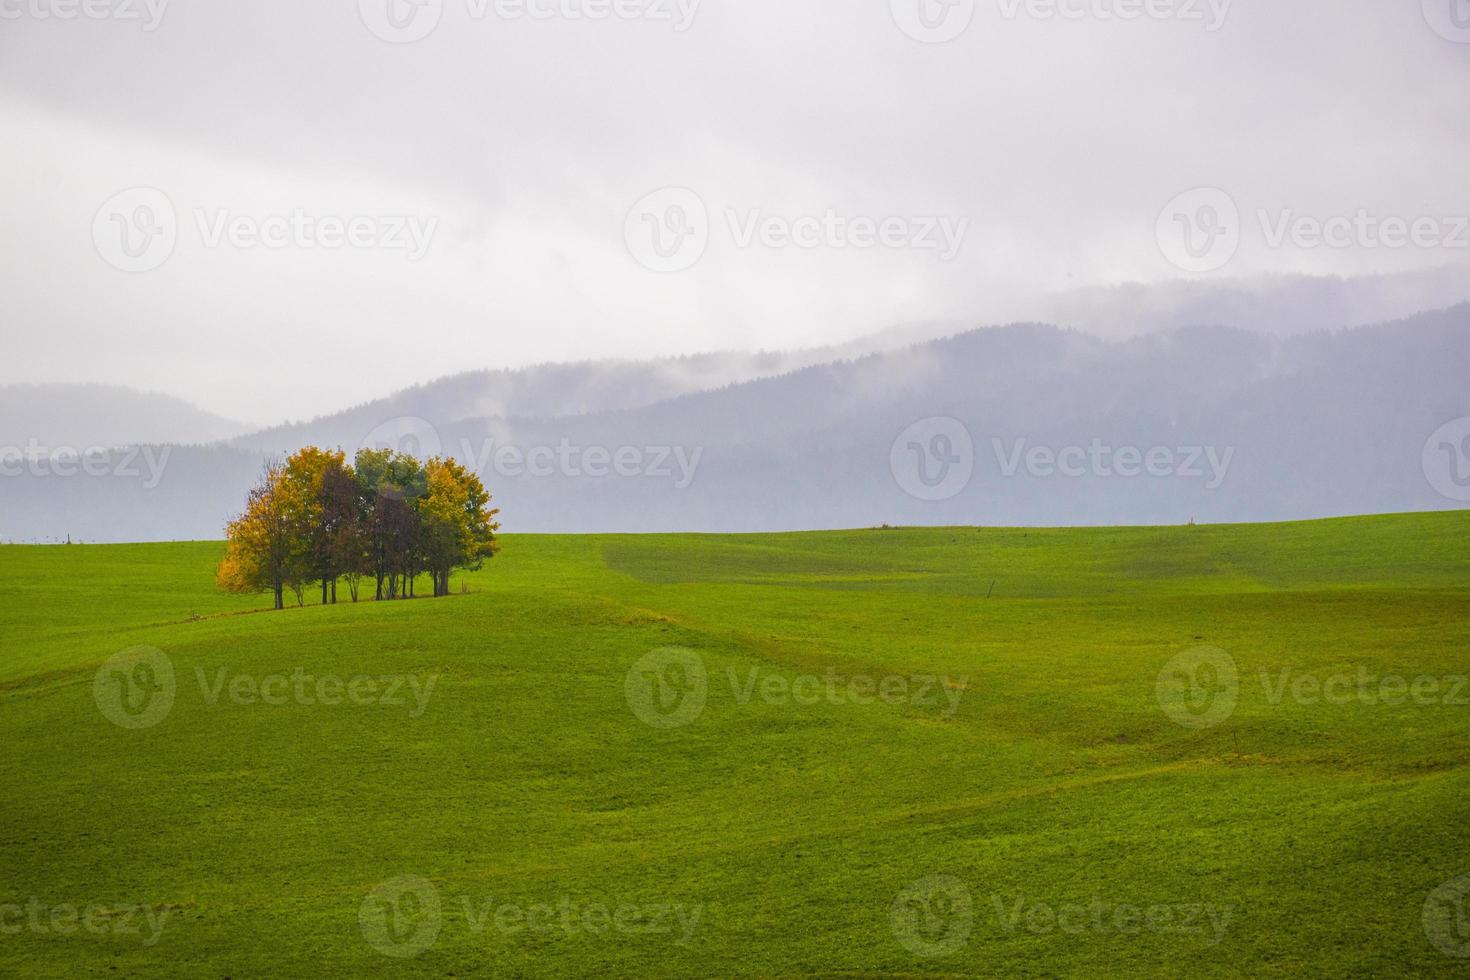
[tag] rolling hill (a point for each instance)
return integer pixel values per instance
(1214, 751)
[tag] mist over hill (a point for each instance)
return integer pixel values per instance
(80, 416)
(1022, 424)
(541, 392)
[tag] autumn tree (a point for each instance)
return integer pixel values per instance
(322, 497)
(458, 524)
(262, 543)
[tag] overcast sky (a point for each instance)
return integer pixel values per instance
(473, 179)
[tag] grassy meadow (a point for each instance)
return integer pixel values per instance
(1203, 751)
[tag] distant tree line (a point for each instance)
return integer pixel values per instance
(385, 516)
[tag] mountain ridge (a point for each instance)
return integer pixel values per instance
(1254, 428)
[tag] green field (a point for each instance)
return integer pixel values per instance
(918, 752)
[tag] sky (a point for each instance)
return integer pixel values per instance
(278, 209)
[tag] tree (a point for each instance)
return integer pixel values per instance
(392, 486)
(262, 545)
(314, 518)
(300, 494)
(323, 498)
(370, 467)
(404, 495)
(345, 530)
(458, 524)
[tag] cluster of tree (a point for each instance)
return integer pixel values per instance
(386, 515)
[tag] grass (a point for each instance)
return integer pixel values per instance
(773, 834)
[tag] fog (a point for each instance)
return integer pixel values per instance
(497, 164)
